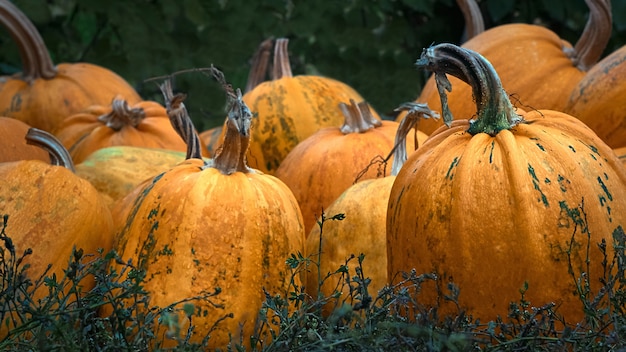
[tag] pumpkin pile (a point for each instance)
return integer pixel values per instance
(512, 190)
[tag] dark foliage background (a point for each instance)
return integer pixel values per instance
(368, 44)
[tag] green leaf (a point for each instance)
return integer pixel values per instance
(498, 9)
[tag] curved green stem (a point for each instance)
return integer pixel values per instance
(58, 154)
(494, 109)
(36, 60)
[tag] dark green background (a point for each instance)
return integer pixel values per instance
(368, 44)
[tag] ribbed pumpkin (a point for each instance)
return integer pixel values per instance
(13, 145)
(603, 90)
(500, 200)
(43, 94)
(290, 108)
(51, 211)
(202, 226)
(329, 161)
(536, 66)
(116, 171)
(144, 124)
(621, 154)
(362, 231)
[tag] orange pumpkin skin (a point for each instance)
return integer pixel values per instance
(490, 211)
(212, 138)
(85, 132)
(599, 100)
(13, 146)
(621, 154)
(208, 230)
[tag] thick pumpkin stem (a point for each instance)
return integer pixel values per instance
(494, 109)
(282, 67)
(179, 117)
(474, 22)
(36, 61)
(122, 115)
(358, 117)
(415, 113)
(595, 36)
(259, 64)
(231, 157)
(58, 154)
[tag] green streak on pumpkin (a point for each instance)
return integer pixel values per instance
(544, 199)
(454, 163)
(541, 147)
(572, 148)
(606, 191)
(139, 201)
(493, 145)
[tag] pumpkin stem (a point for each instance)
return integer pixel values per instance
(58, 153)
(595, 36)
(179, 117)
(231, 157)
(36, 60)
(494, 109)
(122, 115)
(282, 67)
(358, 117)
(260, 61)
(474, 22)
(415, 112)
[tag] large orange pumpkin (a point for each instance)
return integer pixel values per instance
(505, 198)
(51, 211)
(329, 161)
(362, 230)
(202, 226)
(13, 145)
(535, 65)
(144, 124)
(43, 94)
(290, 108)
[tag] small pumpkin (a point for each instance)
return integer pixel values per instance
(144, 124)
(203, 225)
(43, 95)
(505, 198)
(13, 145)
(363, 228)
(537, 67)
(290, 108)
(51, 211)
(326, 163)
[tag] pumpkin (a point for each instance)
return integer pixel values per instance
(603, 89)
(621, 154)
(326, 163)
(289, 109)
(505, 198)
(51, 211)
(13, 145)
(116, 171)
(144, 124)
(535, 65)
(206, 225)
(42, 95)
(362, 230)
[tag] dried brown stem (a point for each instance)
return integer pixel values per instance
(58, 154)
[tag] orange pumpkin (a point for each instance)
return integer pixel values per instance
(621, 154)
(204, 225)
(326, 163)
(500, 200)
(51, 211)
(144, 124)
(538, 68)
(290, 108)
(43, 94)
(13, 146)
(362, 231)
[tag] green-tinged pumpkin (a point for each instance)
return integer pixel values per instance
(288, 109)
(362, 229)
(51, 211)
(508, 198)
(13, 145)
(329, 161)
(144, 124)
(43, 95)
(206, 225)
(537, 67)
